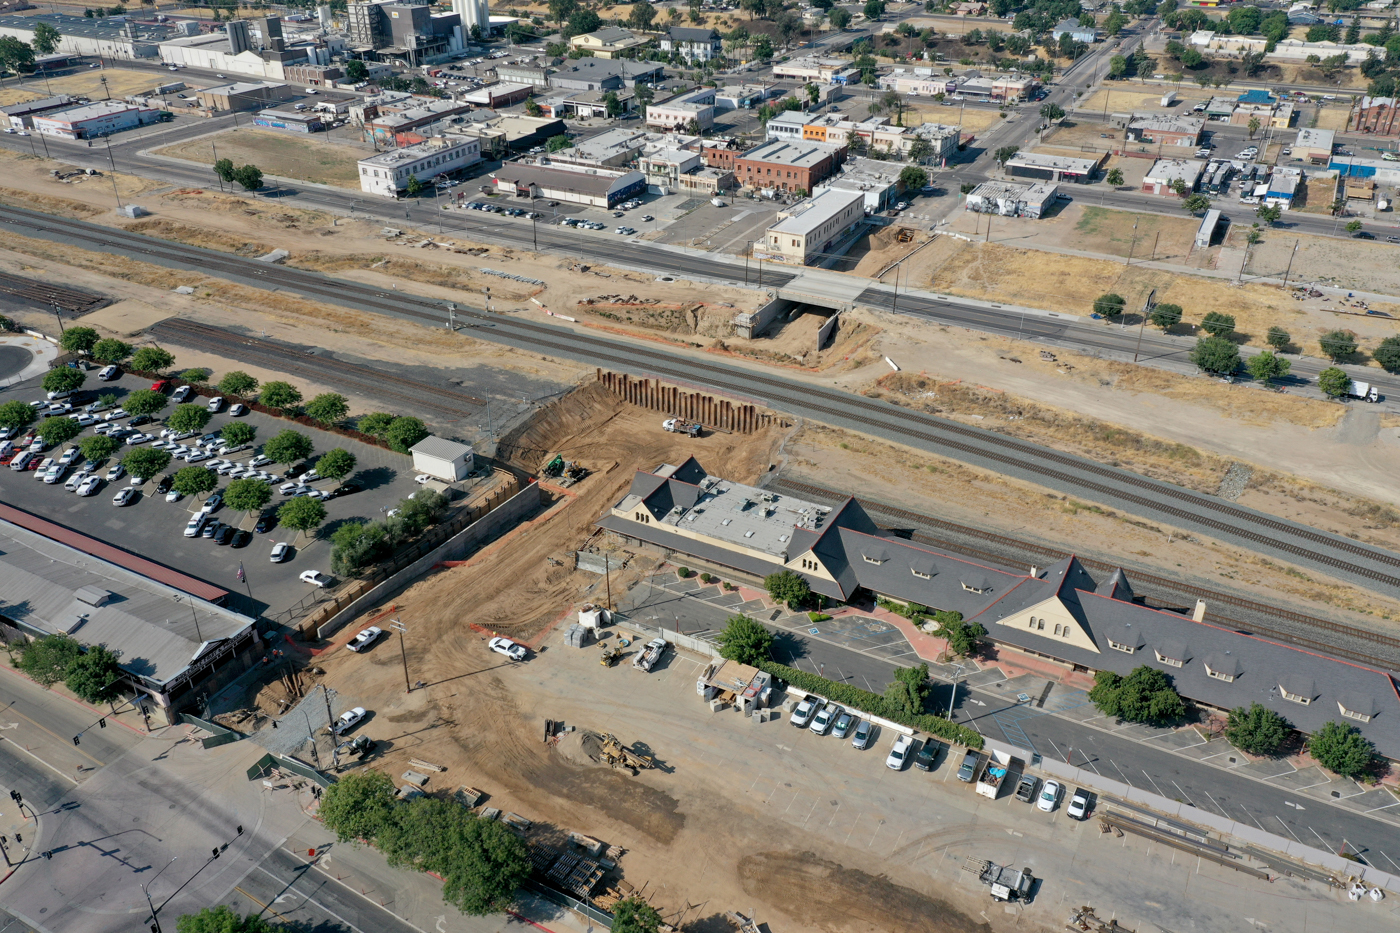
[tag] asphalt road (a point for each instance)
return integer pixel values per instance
(1073, 733)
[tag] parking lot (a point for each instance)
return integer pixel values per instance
(154, 528)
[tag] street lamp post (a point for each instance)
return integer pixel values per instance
(146, 890)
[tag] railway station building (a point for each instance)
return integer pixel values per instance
(1060, 612)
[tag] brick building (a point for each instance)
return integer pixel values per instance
(786, 166)
(1378, 115)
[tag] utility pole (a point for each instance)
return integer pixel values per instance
(330, 724)
(398, 626)
(1146, 308)
(1291, 257)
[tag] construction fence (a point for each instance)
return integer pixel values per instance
(717, 413)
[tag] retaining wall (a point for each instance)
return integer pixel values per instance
(517, 507)
(752, 323)
(593, 562)
(693, 406)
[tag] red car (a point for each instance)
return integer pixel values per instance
(33, 464)
(160, 385)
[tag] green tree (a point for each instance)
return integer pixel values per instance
(1269, 213)
(145, 402)
(912, 178)
(95, 675)
(280, 395)
(249, 176)
(145, 462)
(788, 588)
(1278, 338)
(1216, 355)
(1353, 227)
(110, 350)
(301, 514)
(414, 186)
(1114, 177)
(1109, 305)
(1342, 749)
(193, 480)
(45, 41)
(16, 56)
(561, 10)
(1006, 153)
(98, 447)
(188, 417)
(225, 169)
(1165, 315)
(1253, 126)
(1117, 66)
(874, 9)
(910, 689)
(247, 495)
(634, 915)
(199, 376)
(1145, 695)
(1052, 112)
(356, 545)
(581, 22)
(336, 463)
(1218, 325)
(404, 432)
(59, 430)
(962, 636)
(488, 863)
(1338, 345)
(556, 143)
(1195, 203)
(641, 16)
(46, 660)
(1266, 366)
(1334, 382)
(356, 71)
(375, 423)
(152, 360)
(238, 383)
(1388, 354)
(328, 408)
(223, 919)
(16, 415)
(237, 433)
(64, 379)
(745, 640)
(288, 447)
(78, 339)
(839, 18)
(1257, 730)
(359, 805)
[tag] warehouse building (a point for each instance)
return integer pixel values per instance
(115, 37)
(296, 121)
(21, 116)
(90, 121)
(442, 459)
(1012, 200)
(812, 227)
(573, 184)
(597, 74)
(1164, 174)
(1053, 167)
(244, 95)
(387, 173)
(500, 94)
(1060, 612)
(1166, 129)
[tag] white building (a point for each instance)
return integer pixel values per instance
(576, 184)
(93, 120)
(1012, 200)
(878, 181)
(814, 69)
(442, 459)
(1164, 174)
(813, 226)
(387, 173)
(675, 114)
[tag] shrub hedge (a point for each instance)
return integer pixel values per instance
(873, 704)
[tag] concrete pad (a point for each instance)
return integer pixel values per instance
(1181, 739)
(1314, 781)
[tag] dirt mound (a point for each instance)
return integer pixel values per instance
(828, 896)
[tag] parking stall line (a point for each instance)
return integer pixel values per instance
(1383, 807)
(898, 839)
(1252, 817)
(1154, 783)
(1290, 830)
(1325, 846)
(1217, 804)
(1120, 771)
(810, 812)
(1184, 795)
(835, 813)
(1389, 859)
(878, 826)
(790, 803)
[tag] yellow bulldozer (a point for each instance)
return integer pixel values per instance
(619, 756)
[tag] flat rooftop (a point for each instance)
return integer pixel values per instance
(798, 154)
(818, 210)
(1058, 163)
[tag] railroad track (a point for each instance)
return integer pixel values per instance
(1386, 647)
(52, 295)
(1093, 480)
(350, 376)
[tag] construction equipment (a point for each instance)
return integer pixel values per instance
(554, 467)
(904, 235)
(564, 472)
(1007, 883)
(682, 426)
(1084, 919)
(618, 755)
(611, 654)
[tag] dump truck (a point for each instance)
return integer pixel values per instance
(1363, 391)
(994, 775)
(682, 426)
(646, 658)
(1007, 884)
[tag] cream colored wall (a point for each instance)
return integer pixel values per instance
(795, 565)
(1054, 613)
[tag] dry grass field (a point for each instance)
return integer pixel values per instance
(305, 158)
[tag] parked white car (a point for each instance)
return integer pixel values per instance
(315, 578)
(508, 648)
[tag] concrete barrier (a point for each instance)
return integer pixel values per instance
(513, 510)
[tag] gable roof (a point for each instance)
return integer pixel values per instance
(692, 34)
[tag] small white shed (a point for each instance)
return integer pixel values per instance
(441, 458)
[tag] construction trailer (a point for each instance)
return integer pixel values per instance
(740, 685)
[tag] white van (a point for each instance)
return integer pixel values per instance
(23, 460)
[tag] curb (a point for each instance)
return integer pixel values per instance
(77, 702)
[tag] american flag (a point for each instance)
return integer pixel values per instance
(240, 571)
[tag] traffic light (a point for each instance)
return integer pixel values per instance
(76, 739)
(19, 839)
(102, 723)
(216, 852)
(16, 796)
(48, 854)
(240, 830)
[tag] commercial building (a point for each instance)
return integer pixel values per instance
(309, 75)
(1164, 175)
(500, 133)
(997, 88)
(296, 121)
(812, 226)
(677, 114)
(788, 166)
(692, 43)
(1052, 167)
(535, 75)
(565, 104)
(608, 42)
(706, 182)
(743, 96)
(1315, 146)
(442, 459)
(114, 37)
(610, 150)
(409, 30)
(597, 74)
(21, 116)
(1012, 200)
(90, 121)
(1379, 116)
(387, 173)
(500, 94)
(877, 181)
(176, 640)
(663, 168)
(385, 128)
(574, 184)
(1177, 130)
(244, 95)
(1060, 612)
(815, 69)
(1283, 187)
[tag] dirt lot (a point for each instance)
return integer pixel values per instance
(88, 83)
(289, 155)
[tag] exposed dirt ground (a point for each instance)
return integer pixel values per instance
(120, 83)
(288, 155)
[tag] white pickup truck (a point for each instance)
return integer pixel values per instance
(646, 658)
